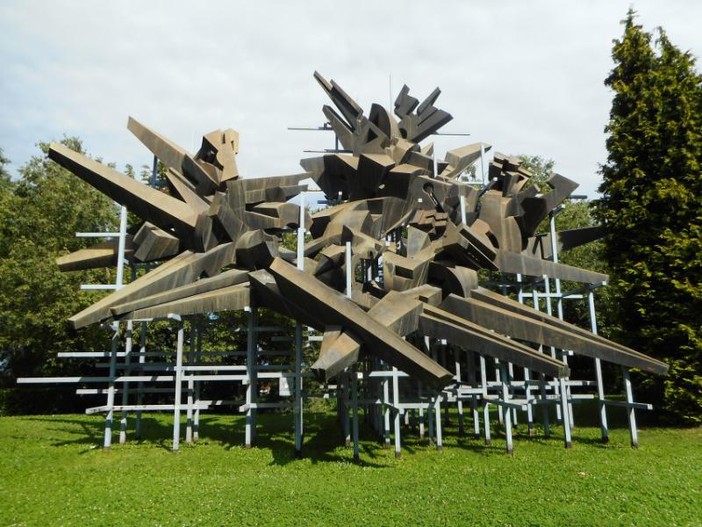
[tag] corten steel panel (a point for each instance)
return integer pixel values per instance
(611, 351)
(519, 326)
(439, 323)
(183, 269)
(204, 285)
(340, 350)
(150, 204)
(400, 210)
(232, 298)
(102, 254)
(335, 309)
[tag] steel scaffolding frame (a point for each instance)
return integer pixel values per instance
(374, 388)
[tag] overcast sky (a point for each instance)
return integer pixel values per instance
(526, 77)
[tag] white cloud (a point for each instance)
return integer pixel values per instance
(526, 77)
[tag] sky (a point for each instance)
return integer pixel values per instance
(525, 77)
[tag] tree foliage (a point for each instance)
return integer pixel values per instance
(41, 212)
(651, 206)
(575, 214)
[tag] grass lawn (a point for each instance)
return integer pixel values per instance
(53, 472)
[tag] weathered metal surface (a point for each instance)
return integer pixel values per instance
(418, 236)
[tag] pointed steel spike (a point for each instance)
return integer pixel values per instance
(204, 285)
(439, 323)
(541, 332)
(520, 263)
(102, 254)
(339, 350)
(150, 204)
(232, 298)
(182, 269)
(173, 156)
(314, 301)
(645, 362)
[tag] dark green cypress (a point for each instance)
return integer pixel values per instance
(651, 206)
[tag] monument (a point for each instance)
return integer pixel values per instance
(391, 267)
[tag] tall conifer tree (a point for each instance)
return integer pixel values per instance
(651, 206)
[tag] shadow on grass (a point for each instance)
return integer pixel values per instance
(322, 443)
(83, 431)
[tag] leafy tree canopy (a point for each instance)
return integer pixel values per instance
(41, 213)
(651, 206)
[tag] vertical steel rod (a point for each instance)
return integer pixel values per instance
(604, 428)
(107, 442)
(125, 385)
(354, 415)
(251, 371)
(140, 385)
(396, 404)
(178, 387)
(630, 410)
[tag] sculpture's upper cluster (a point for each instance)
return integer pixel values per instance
(418, 233)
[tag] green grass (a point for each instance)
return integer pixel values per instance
(53, 472)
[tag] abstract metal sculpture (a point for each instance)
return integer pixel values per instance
(418, 236)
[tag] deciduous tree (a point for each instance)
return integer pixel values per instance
(41, 212)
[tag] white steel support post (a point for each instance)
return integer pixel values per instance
(420, 414)
(128, 343)
(459, 401)
(299, 399)
(544, 405)
(198, 356)
(140, 385)
(463, 210)
(430, 350)
(604, 428)
(349, 270)
(564, 358)
(557, 385)
(301, 234)
(191, 385)
(528, 397)
(121, 242)
(527, 372)
(510, 372)
(343, 391)
(298, 404)
(486, 410)
(486, 426)
(554, 258)
(386, 410)
(436, 403)
(178, 386)
(559, 302)
(396, 404)
(344, 405)
(630, 409)
(354, 415)
(107, 443)
(430, 420)
(542, 377)
(498, 378)
(567, 428)
(472, 379)
(251, 374)
(505, 380)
